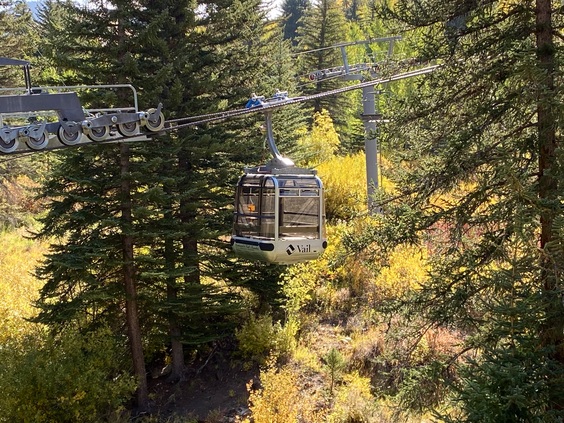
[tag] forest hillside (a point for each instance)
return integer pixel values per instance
(438, 296)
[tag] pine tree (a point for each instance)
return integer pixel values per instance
(20, 36)
(19, 41)
(323, 27)
(293, 12)
(477, 168)
(175, 193)
(105, 51)
(321, 30)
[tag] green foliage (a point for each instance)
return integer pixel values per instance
(20, 36)
(472, 166)
(67, 378)
(335, 364)
(260, 338)
(322, 26)
(179, 188)
(506, 384)
(292, 14)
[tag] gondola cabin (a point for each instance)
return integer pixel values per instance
(279, 216)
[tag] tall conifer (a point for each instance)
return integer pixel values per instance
(195, 58)
(20, 35)
(293, 12)
(323, 27)
(321, 30)
(477, 168)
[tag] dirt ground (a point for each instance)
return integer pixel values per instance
(213, 390)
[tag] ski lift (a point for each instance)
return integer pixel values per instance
(279, 212)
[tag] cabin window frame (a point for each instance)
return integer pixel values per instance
(264, 220)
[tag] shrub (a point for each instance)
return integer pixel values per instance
(306, 284)
(344, 180)
(278, 399)
(354, 402)
(407, 270)
(366, 347)
(259, 337)
(65, 378)
(286, 342)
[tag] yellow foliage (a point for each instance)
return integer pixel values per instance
(407, 270)
(278, 400)
(353, 401)
(321, 143)
(506, 6)
(306, 358)
(308, 282)
(344, 180)
(18, 285)
(260, 337)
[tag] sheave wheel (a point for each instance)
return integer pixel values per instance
(128, 129)
(155, 122)
(66, 138)
(8, 147)
(99, 133)
(38, 143)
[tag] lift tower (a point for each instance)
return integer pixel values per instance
(370, 113)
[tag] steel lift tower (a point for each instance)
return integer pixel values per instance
(370, 113)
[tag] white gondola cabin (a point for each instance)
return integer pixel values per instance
(279, 216)
(279, 211)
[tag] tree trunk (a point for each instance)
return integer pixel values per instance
(177, 350)
(131, 307)
(552, 332)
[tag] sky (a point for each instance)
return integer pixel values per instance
(276, 6)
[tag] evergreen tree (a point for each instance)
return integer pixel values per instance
(354, 9)
(103, 43)
(158, 209)
(324, 26)
(322, 29)
(20, 35)
(477, 169)
(293, 12)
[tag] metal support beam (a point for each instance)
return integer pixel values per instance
(370, 117)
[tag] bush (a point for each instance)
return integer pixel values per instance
(306, 285)
(65, 378)
(259, 338)
(344, 180)
(354, 402)
(407, 270)
(278, 400)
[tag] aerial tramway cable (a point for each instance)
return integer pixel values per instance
(127, 130)
(220, 116)
(279, 212)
